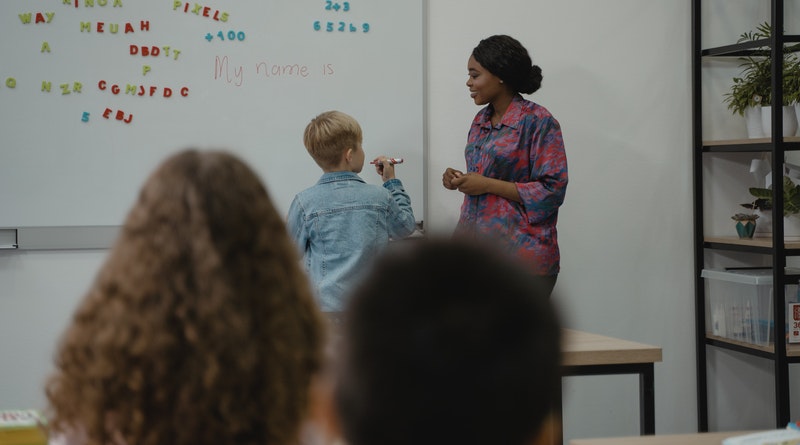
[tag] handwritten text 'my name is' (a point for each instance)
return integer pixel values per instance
(234, 75)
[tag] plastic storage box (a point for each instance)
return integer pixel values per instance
(739, 303)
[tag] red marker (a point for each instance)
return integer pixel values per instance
(392, 161)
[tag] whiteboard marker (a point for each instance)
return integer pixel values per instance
(391, 161)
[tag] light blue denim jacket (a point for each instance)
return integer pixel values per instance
(340, 224)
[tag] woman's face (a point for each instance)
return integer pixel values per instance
(484, 87)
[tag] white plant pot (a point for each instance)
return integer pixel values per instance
(797, 113)
(752, 118)
(791, 224)
(764, 222)
(789, 121)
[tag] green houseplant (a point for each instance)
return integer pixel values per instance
(753, 88)
(791, 198)
(791, 81)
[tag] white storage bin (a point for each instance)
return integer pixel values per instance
(739, 303)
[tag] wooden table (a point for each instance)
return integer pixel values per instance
(667, 439)
(593, 354)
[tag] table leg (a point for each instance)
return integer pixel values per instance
(647, 401)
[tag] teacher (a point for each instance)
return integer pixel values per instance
(516, 174)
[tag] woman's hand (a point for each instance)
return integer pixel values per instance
(476, 184)
(448, 176)
(471, 184)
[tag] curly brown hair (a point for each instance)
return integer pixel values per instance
(200, 328)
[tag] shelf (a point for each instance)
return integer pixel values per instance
(792, 350)
(745, 48)
(749, 145)
(789, 242)
(776, 252)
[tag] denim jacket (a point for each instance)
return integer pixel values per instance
(340, 224)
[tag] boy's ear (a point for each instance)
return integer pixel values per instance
(348, 155)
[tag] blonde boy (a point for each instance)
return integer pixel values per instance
(341, 222)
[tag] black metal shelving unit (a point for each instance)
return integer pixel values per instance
(777, 146)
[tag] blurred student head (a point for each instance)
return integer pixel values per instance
(200, 327)
(447, 342)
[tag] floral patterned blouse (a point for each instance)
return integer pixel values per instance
(525, 148)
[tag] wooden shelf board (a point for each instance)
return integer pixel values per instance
(790, 242)
(792, 350)
(748, 141)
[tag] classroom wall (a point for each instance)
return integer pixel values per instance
(617, 76)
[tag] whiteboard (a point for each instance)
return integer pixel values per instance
(94, 94)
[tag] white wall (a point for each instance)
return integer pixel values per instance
(617, 76)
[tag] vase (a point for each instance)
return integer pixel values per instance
(752, 118)
(745, 229)
(789, 121)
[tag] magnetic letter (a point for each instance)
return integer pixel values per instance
(145, 70)
(11, 82)
(85, 117)
(134, 50)
(45, 47)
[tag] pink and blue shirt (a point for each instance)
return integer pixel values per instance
(525, 148)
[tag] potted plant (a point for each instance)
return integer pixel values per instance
(751, 92)
(745, 224)
(791, 82)
(791, 207)
(791, 197)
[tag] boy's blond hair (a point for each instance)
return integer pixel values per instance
(329, 135)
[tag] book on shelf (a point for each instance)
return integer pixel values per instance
(22, 427)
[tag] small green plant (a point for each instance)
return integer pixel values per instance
(744, 217)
